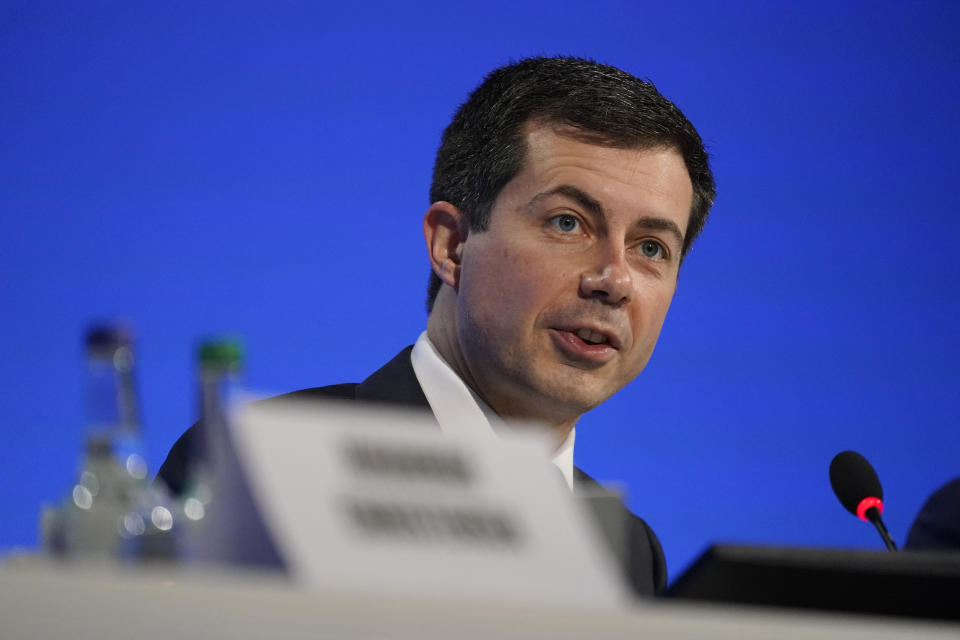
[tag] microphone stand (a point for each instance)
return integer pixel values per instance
(873, 515)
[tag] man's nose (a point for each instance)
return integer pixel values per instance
(609, 280)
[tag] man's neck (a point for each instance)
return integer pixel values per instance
(460, 411)
(444, 339)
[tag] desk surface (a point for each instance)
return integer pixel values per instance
(38, 600)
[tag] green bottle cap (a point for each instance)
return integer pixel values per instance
(223, 354)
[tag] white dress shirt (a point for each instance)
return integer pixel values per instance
(461, 411)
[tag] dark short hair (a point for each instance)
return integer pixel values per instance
(484, 146)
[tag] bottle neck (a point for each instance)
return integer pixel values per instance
(217, 390)
(111, 401)
(112, 433)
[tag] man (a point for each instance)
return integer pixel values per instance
(565, 195)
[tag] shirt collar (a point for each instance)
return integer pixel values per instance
(460, 411)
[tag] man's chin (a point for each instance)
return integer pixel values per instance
(574, 398)
(556, 393)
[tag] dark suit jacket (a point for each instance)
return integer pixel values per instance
(937, 526)
(396, 383)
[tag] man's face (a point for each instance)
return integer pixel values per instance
(560, 301)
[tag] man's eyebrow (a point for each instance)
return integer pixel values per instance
(581, 197)
(660, 224)
(593, 205)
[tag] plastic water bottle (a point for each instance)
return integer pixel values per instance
(111, 512)
(224, 523)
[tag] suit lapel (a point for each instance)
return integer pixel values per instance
(394, 383)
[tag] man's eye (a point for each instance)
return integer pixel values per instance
(652, 249)
(565, 223)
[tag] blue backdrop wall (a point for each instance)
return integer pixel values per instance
(262, 168)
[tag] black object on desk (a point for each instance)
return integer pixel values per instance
(909, 583)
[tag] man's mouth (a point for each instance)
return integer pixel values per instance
(586, 345)
(591, 337)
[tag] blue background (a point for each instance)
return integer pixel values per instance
(262, 168)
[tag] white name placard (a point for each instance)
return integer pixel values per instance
(379, 500)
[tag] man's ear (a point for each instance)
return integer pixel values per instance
(445, 229)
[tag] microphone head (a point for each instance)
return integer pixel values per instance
(855, 483)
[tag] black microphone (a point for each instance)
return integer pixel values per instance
(858, 489)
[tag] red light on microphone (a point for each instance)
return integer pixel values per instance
(866, 504)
